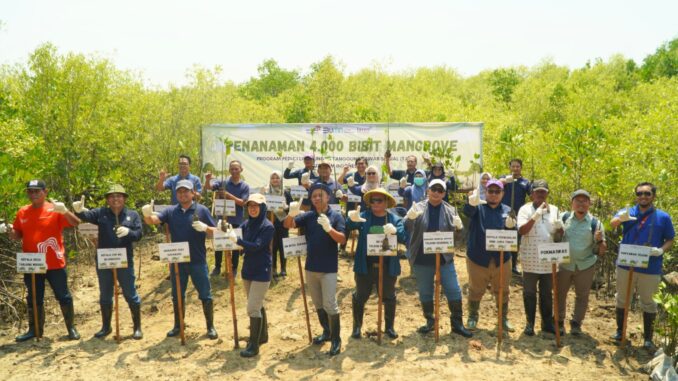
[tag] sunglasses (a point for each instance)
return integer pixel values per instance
(437, 190)
(376, 200)
(371, 173)
(648, 194)
(493, 191)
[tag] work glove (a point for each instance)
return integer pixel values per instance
(231, 236)
(403, 182)
(290, 165)
(306, 178)
(541, 210)
(474, 199)
(147, 210)
(354, 215)
(324, 222)
(58, 207)
(199, 226)
(413, 213)
(426, 156)
(507, 180)
(510, 222)
(4, 228)
(339, 194)
(656, 251)
(389, 229)
(262, 190)
(350, 181)
(79, 206)
(456, 220)
(557, 225)
(625, 216)
(121, 231)
(295, 207)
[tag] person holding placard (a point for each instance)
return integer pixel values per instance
(324, 229)
(119, 227)
(275, 188)
(516, 190)
(376, 220)
(372, 181)
(586, 237)
(183, 228)
(257, 233)
(170, 183)
(325, 177)
(537, 222)
(643, 225)
(432, 215)
(405, 176)
(483, 265)
(359, 176)
(236, 190)
(39, 226)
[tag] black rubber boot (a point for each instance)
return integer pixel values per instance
(218, 255)
(263, 338)
(620, 324)
(389, 319)
(335, 334)
(176, 330)
(208, 310)
(530, 302)
(325, 323)
(283, 266)
(648, 329)
(135, 309)
(504, 312)
(252, 348)
(456, 318)
(427, 307)
(358, 312)
(31, 325)
(69, 318)
(473, 308)
(106, 314)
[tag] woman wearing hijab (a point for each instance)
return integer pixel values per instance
(438, 172)
(372, 181)
(416, 192)
(482, 187)
(275, 188)
(257, 233)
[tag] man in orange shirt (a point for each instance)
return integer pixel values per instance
(39, 226)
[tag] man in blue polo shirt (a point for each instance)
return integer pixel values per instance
(170, 183)
(304, 175)
(643, 225)
(189, 222)
(516, 190)
(118, 227)
(235, 189)
(405, 176)
(324, 228)
(483, 265)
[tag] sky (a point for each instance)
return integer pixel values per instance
(163, 40)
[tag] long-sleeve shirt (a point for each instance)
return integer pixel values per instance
(482, 218)
(105, 220)
(392, 264)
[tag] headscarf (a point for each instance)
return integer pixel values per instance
(368, 186)
(419, 192)
(432, 176)
(481, 188)
(254, 224)
(270, 189)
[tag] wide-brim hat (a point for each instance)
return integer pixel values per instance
(389, 197)
(115, 188)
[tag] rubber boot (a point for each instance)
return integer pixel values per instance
(176, 330)
(620, 324)
(505, 322)
(69, 318)
(218, 255)
(389, 319)
(472, 321)
(106, 314)
(263, 338)
(514, 264)
(575, 328)
(648, 330)
(324, 322)
(456, 318)
(546, 312)
(208, 310)
(135, 309)
(358, 312)
(427, 307)
(283, 266)
(252, 348)
(335, 334)
(31, 325)
(530, 302)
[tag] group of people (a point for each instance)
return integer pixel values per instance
(497, 204)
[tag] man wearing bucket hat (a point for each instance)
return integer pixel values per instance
(376, 220)
(39, 226)
(184, 227)
(431, 215)
(304, 175)
(119, 227)
(324, 229)
(483, 265)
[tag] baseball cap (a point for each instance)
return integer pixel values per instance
(184, 184)
(495, 182)
(540, 185)
(36, 184)
(257, 198)
(580, 192)
(309, 155)
(437, 182)
(319, 185)
(324, 163)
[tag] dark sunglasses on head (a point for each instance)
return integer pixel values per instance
(437, 190)
(376, 200)
(494, 191)
(646, 193)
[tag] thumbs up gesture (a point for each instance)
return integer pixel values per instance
(474, 199)
(147, 210)
(354, 215)
(79, 206)
(295, 207)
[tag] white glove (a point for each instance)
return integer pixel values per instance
(456, 220)
(306, 178)
(231, 236)
(557, 225)
(290, 165)
(510, 222)
(413, 213)
(295, 207)
(389, 229)
(541, 210)
(403, 182)
(656, 251)
(4, 228)
(354, 215)
(350, 181)
(449, 173)
(147, 210)
(625, 216)
(262, 190)
(426, 156)
(474, 199)
(199, 226)
(338, 193)
(79, 206)
(324, 222)
(507, 180)
(121, 231)
(59, 207)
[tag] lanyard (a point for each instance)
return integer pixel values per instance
(640, 225)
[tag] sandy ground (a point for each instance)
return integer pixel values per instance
(288, 354)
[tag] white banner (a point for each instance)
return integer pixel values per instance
(263, 148)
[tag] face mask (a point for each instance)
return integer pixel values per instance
(419, 181)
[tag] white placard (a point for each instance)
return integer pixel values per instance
(175, 252)
(558, 252)
(634, 255)
(31, 263)
(393, 186)
(438, 242)
(159, 208)
(294, 246)
(275, 202)
(112, 258)
(222, 243)
(350, 197)
(88, 230)
(219, 207)
(375, 245)
(398, 198)
(335, 207)
(297, 191)
(501, 240)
